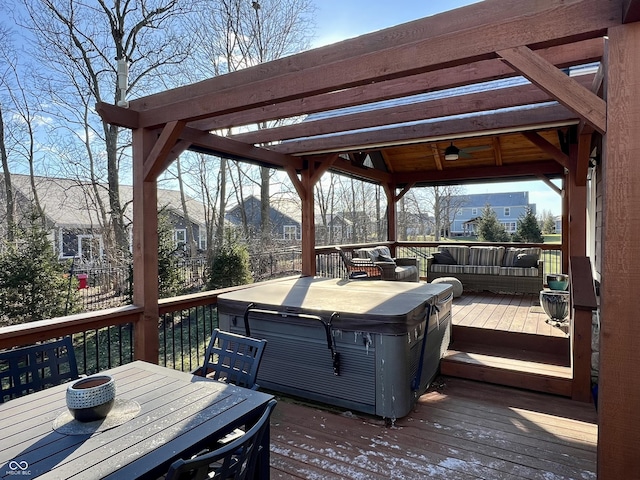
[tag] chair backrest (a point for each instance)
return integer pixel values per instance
(29, 369)
(233, 358)
(235, 460)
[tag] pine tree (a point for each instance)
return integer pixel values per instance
(548, 223)
(34, 285)
(489, 228)
(528, 230)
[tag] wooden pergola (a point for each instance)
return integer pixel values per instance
(550, 127)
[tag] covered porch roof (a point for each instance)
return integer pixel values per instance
(548, 127)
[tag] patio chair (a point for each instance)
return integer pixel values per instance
(360, 268)
(29, 369)
(233, 358)
(236, 460)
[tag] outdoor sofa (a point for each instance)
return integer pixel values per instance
(492, 268)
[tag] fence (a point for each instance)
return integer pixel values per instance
(103, 287)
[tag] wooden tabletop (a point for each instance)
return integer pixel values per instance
(179, 413)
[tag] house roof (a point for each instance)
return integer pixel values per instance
(479, 200)
(283, 211)
(72, 203)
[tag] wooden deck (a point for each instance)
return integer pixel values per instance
(460, 430)
(511, 313)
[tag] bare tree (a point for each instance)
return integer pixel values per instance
(79, 45)
(4, 156)
(445, 202)
(235, 34)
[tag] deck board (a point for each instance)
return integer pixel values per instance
(512, 313)
(460, 430)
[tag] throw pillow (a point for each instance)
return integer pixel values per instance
(444, 257)
(385, 258)
(526, 260)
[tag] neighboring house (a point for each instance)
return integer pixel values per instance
(509, 207)
(72, 214)
(350, 227)
(558, 224)
(285, 217)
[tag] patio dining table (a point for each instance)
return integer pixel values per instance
(179, 413)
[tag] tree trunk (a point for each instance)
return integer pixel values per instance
(222, 188)
(10, 209)
(265, 207)
(191, 241)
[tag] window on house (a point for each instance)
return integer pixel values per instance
(510, 227)
(474, 211)
(290, 232)
(507, 211)
(180, 238)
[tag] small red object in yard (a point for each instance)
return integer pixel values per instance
(82, 280)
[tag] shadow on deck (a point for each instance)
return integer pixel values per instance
(459, 429)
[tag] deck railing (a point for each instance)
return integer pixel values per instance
(105, 338)
(329, 264)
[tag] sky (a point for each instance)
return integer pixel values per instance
(338, 20)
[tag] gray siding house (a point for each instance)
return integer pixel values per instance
(507, 206)
(72, 215)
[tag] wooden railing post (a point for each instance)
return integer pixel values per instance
(583, 300)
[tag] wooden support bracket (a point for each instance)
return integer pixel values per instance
(566, 90)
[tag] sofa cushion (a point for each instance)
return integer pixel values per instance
(511, 254)
(407, 273)
(486, 256)
(459, 252)
(441, 268)
(385, 258)
(444, 258)
(518, 272)
(375, 254)
(526, 260)
(482, 269)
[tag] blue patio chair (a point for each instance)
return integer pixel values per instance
(233, 358)
(236, 460)
(30, 369)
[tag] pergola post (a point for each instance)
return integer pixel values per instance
(619, 388)
(392, 214)
(577, 213)
(145, 250)
(308, 225)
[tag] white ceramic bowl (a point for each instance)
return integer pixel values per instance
(91, 398)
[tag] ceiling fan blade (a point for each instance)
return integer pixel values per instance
(479, 148)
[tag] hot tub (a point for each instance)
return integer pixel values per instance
(360, 345)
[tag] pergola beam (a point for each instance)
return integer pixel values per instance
(533, 118)
(452, 175)
(471, 21)
(577, 53)
(442, 107)
(575, 20)
(586, 104)
(222, 146)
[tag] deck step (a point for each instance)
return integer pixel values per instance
(516, 369)
(492, 339)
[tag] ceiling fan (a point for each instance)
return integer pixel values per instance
(453, 153)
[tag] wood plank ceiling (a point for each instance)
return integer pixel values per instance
(436, 78)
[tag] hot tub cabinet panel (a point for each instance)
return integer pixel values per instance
(377, 334)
